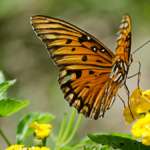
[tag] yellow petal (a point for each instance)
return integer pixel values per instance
(146, 142)
(135, 94)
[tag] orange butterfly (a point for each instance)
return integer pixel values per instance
(95, 72)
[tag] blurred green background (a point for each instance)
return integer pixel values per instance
(24, 57)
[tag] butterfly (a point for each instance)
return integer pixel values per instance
(95, 72)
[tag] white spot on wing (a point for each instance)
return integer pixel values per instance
(125, 66)
(94, 49)
(118, 38)
(111, 75)
(112, 101)
(126, 25)
(103, 50)
(127, 48)
(121, 64)
(113, 67)
(116, 71)
(121, 26)
(120, 79)
(122, 20)
(117, 77)
(119, 59)
(88, 38)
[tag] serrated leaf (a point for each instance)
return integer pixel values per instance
(118, 142)
(23, 131)
(9, 106)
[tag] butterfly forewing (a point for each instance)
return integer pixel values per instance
(124, 39)
(122, 55)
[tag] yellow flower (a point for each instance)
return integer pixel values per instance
(19, 147)
(142, 129)
(139, 105)
(41, 130)
(15, 147)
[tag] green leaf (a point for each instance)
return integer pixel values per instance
(2, 79)
(6, 84)
(96, 147)
(40, 117)
(118, 142)
(67, 148)
(9, 106)
(84, 141)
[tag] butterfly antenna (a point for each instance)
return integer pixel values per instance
(140, 47)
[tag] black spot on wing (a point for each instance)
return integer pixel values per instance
(83, 38)
(84, 58)
(78, 74)
(68, 41)
(91, 72)
(98, 61)
(73, 49)
(128, 37)
(87, 86)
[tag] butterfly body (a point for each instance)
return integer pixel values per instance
(95, 72)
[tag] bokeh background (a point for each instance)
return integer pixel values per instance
(24, 57)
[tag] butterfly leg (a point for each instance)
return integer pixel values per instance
(128, 93)
(138, 73)
(122, 100)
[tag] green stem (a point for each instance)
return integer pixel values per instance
(44, 141)
(4, 137)
(74, 130)
(62, 127)
(68, 126)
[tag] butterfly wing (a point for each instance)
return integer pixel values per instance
(86, 60)
(123, 48)
(121, 60)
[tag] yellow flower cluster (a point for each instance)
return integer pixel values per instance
(20, 147)
(139, 105)
(142, 129)
(41, 130)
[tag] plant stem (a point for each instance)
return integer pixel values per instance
(68, 126)
(74, 130)
(44, 141)
(62, 127)
(4, 137)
